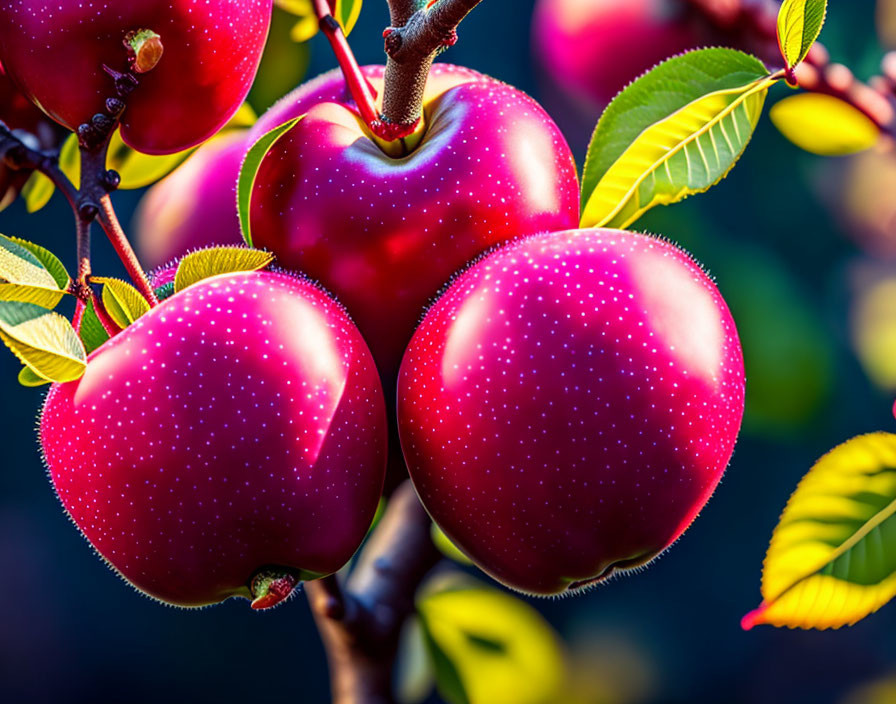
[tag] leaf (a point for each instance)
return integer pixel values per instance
(832, 557)
(30, 379)
(675, 131)
(123, 302)
(44, 341)
(446, 547)
(488, 646)
(346, 13)
(825, 125)
(37, 191)
(304, 29)
(249, 171)
(244, 117)
(24, 278)
(218, 260)
(92, 332)
(414, 675)
(799, 24)
(49, 261)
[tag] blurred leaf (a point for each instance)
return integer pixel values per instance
(249, 171)
(676, 131)
(49, 261)
(446, 547)
(43, 341)
(30, 379)
(304, 29)
(285, 59)
(489, 647)
(799, 24)
(414, 675)
(881, 691)
(825, 125)
(37, 191)
(832, 557)
(70, 160)
(346, 13)
(874, 331)
(24, 278)
(92, 332)
(206, 263)
(123, 302)
(243, 118)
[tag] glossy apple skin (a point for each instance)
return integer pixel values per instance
(567, 407)
(240, 424)
(55, 51)
(195, 205)
(383, 234)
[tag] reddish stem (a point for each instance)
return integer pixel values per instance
(109, 325)
(109, 222)
(362, 92)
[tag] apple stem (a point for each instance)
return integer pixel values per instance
(109, 325)
(361, 621)
(752, 26)
(412, 42)
(361, 91)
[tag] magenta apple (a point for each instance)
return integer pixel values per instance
(195, 205)
(235, 431)
(55, 51)
(570, 403)
(384, 234)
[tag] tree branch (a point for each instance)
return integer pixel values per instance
(411, 47)
(360, 624)
(752, 25)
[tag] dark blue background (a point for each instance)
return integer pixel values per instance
(71, 631)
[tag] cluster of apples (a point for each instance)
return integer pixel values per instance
(566, 404)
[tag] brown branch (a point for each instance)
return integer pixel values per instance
(752, 25)
(361, 623)
(411, 47)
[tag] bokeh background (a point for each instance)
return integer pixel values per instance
(804, 250)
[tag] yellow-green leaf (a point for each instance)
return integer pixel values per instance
(30, 379)
(489, 647)
(446, 547)
(24, 278)
(686, 153)
(218, 260)
(825, 125)
(123, 302)
(832, 557)
(37, 191)
(244, 117)
(44, 341)
(296, 7)
(49, 261)
(249, 171)
(346, 13)
(799, 24)
(304, 29)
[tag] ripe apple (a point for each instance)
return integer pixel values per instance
(384, 234)
(55, 50)
(569, 404)
(195, 205)
(235, 431)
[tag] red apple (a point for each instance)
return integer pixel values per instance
(384, 234)
(235, 430)
(567, 407)
(55, 50)
(195, 205)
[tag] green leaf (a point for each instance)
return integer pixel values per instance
(799, 24)
(92, 332)
(825, 125)
(165, 291)
(832, 557)
(446, 547)
(488, 646)
(24, 278)
(346, 13)
(676, 131)
(249, 171)
(243, 118)
(218, 260)
(30, 379)
(414, 671)
(70, 160)
(44, 341)
(123, 302)
(49, 261)
(37, 191)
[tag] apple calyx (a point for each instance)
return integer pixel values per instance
(272, 586)
(397, 140)
(144, 49)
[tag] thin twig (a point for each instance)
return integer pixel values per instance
(112, 227)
